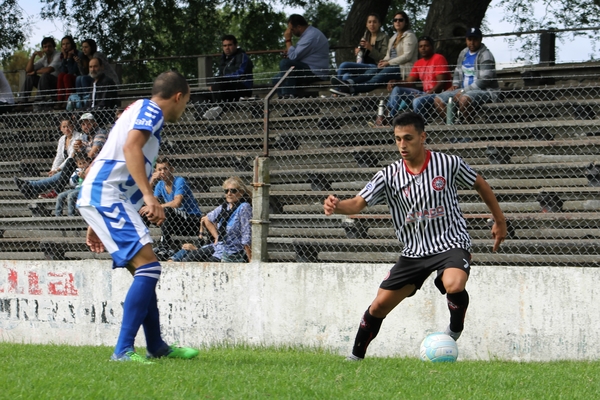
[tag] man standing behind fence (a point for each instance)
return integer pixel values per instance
(310, 56)
(421, 192)
(116, 187)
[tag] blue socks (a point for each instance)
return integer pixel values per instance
(140, 307)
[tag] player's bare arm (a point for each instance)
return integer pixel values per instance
(489, 198)
(93, 241)
(136, 164)
(333, 205)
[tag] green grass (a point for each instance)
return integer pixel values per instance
(65, 372)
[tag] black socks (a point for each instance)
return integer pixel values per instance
(367, 331)
(457, 304)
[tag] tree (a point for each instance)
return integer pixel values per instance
(12, 27)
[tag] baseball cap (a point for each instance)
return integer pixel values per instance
(87, 116)
(474, 32)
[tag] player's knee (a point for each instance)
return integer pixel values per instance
(454, 286)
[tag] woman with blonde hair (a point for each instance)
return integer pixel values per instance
(229, 226)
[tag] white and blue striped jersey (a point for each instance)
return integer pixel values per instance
(109, 181)
(424, 207)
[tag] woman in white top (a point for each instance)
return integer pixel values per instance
(401, 55)
(62, 167)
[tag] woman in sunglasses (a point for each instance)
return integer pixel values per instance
(400, 57)
(228, 224)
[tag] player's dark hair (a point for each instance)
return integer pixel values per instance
(230, 38)
(71, 40)
(168, 84)
(163, 160)
(48, 40)
(92, 44)
(297, 20)
(410, 118)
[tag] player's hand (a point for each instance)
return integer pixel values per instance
(152, 210)
(382, 64)
(189, 247)
(392, 84)
(330, 204)
(287, 35)
(499, 233)
(93, 241)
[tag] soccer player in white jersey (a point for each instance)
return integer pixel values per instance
(421, 192)
(116, 187)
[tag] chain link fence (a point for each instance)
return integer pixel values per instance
(537, 146)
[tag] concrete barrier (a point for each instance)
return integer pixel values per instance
(522, 314)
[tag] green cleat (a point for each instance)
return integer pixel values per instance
(182, 352)
(130, 356)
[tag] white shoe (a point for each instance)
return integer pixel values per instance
(453, 335)
(352, 357)
(213, 113)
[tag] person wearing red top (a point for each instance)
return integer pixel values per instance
(432, 70)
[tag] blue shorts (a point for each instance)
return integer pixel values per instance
(477, 96)
(120, 228)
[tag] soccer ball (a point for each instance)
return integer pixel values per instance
(439, 347)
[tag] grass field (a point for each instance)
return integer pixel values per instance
(64, 372)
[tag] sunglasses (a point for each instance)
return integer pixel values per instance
(398, 19)
(232, 191)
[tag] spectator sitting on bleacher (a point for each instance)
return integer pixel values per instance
(229, 225)
(182, 212)
(104, 90)
(67, 72)
(432, 70)
(397, 64)
(62, 167)
(7, 100)
(43, 73)
(310, 56)
(84, 82)
(70, 196)
(371, 49)
(95, 136)
(475, 81)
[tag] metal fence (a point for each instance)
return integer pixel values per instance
(537, 145)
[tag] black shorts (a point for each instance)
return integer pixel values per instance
(414, 271)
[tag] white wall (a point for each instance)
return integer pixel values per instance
(535, 313)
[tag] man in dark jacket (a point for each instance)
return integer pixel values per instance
(104, 90)
(235, 73)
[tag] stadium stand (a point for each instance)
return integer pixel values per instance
(538, 149)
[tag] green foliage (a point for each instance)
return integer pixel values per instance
(12, 27)
(13, 63)
(329, 18)
(84, 372)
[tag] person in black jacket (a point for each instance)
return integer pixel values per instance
(104, 89)
(235, 73)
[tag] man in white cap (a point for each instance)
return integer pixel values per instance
(96, 137)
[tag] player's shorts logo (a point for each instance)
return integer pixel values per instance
(438, 183)
(387, 275)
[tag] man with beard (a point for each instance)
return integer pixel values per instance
(104, 90)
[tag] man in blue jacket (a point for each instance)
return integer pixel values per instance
(235, 78)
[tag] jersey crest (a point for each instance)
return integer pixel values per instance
(438, 183)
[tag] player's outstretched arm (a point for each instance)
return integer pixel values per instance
(136, 165)
(489, 198)
(333, 205)
(93, 241)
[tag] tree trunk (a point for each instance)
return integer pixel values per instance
(452, 18)
(356, 24)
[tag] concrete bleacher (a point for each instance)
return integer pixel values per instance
(537, 152)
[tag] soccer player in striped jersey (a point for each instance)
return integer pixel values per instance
(421, 192)
(116, 187)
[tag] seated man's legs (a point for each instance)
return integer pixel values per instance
(300, 75)
(473, 98)
(31, 81)
(56, 182)
(228, 89)
(178, 223)
(348, 69)
(72, 202)
(423, 105)
(399, 95)
(441, 101)
(83, 84)
(60, 202)
(47, 87)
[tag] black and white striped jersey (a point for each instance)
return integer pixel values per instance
(424, 207)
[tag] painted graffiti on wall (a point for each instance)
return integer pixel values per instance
(54, 283)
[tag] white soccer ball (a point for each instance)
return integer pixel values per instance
(439, 347)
